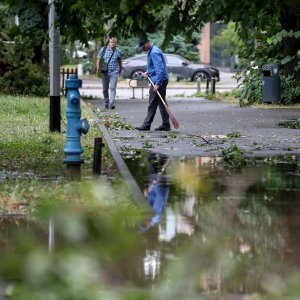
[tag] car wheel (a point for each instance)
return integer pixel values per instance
(137, 74)
(201, 75)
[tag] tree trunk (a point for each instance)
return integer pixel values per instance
(38, 53)
(97, 48)
(290, 21)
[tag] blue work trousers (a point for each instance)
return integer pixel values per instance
(109, 83)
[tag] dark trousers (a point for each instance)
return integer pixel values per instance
(155, 101)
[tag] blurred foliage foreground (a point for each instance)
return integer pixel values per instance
(81, 240)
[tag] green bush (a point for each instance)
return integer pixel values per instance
(26, 76)
(251, 92)
(290, 89)
(177, 45)
(30, 79)
(265, 45)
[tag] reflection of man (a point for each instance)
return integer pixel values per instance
(158, 191)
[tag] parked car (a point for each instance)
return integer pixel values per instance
(80, 54)
(181, 68)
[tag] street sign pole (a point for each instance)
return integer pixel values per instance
(54, 70)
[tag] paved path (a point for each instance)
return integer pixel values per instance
(260, 134)
(92, 87)
(201, 120)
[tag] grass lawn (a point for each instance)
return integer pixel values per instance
(88, 215)
(31, 159)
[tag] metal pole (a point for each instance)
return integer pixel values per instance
(54, 70)
(213, 85)
(51, 239)
(207, 84)
(97, 155)
(198, 85)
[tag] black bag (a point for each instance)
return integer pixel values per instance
(104, 68)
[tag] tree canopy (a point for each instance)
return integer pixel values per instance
(128, 17)
(86, 20)
(95, 18)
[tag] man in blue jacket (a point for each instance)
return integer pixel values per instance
(158, 72)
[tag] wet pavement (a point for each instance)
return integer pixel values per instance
(206, 128)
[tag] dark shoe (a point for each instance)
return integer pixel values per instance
(143, 128)
(162, 128)
(112, 107)
(106, 107)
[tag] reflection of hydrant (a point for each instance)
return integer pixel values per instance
(75, 126)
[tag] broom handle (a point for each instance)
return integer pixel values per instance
(158, 93)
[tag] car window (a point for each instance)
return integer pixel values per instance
(173, 60)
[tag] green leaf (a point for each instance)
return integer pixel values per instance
(286, 59)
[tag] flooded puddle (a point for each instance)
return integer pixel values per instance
(230, 229)
(212, 229)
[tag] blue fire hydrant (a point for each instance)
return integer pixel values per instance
(75, 126)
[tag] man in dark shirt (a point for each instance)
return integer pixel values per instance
(158, 73)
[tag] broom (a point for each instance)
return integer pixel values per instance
(172, 117)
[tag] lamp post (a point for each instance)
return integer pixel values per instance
(54, 69)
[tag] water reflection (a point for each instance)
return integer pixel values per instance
(157, 191)
(214, 229)
(232, 224)
(151, 264)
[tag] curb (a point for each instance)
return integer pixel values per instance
(132, 185)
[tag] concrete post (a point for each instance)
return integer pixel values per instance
(54, 70)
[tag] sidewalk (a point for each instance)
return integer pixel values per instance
(92, 87)
(201, 119)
